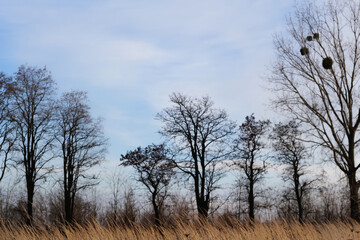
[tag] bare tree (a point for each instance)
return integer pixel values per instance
(128, 212)
(319, 85)
(200, 134)
(116, 184)
(291, 151)
(82, 146)
(154, 170)
(32, 112)
(248, 159)
(7, 135)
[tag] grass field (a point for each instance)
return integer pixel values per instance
(275, 230)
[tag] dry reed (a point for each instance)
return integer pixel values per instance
(192, 230)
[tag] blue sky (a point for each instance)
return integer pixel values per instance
(131, 55)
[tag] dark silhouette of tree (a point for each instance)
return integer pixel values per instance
(319, 87)
(7, 135)
(291, 151)
(82, 143)
(200, 134)
(154, 170)
(32, 112)
(248, 147)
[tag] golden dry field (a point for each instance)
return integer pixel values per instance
(275, 230)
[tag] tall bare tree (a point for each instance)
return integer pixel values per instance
(154, 170)
(200, 134)
(82, 143)
(32, 112)
(248, 148)
(319, 85)
(7, 135)
(291, 151)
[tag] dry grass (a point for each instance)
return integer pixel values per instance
(275, 230)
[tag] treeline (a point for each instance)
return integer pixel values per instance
(36, 129)
(39, 130)
(203, 145)
(316, 88)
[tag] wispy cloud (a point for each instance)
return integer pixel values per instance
(130, 55)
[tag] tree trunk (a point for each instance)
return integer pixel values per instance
(30, 201)
(201, 204)
(156, 210)
(68, 210)
(69, 195)
(300, 208)
(298, 195)
(251, 201)
(354, 196)
(353, 184)
(203, 208)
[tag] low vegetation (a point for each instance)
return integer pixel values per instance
(192, 230)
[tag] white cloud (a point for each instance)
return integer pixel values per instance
(135, 53)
